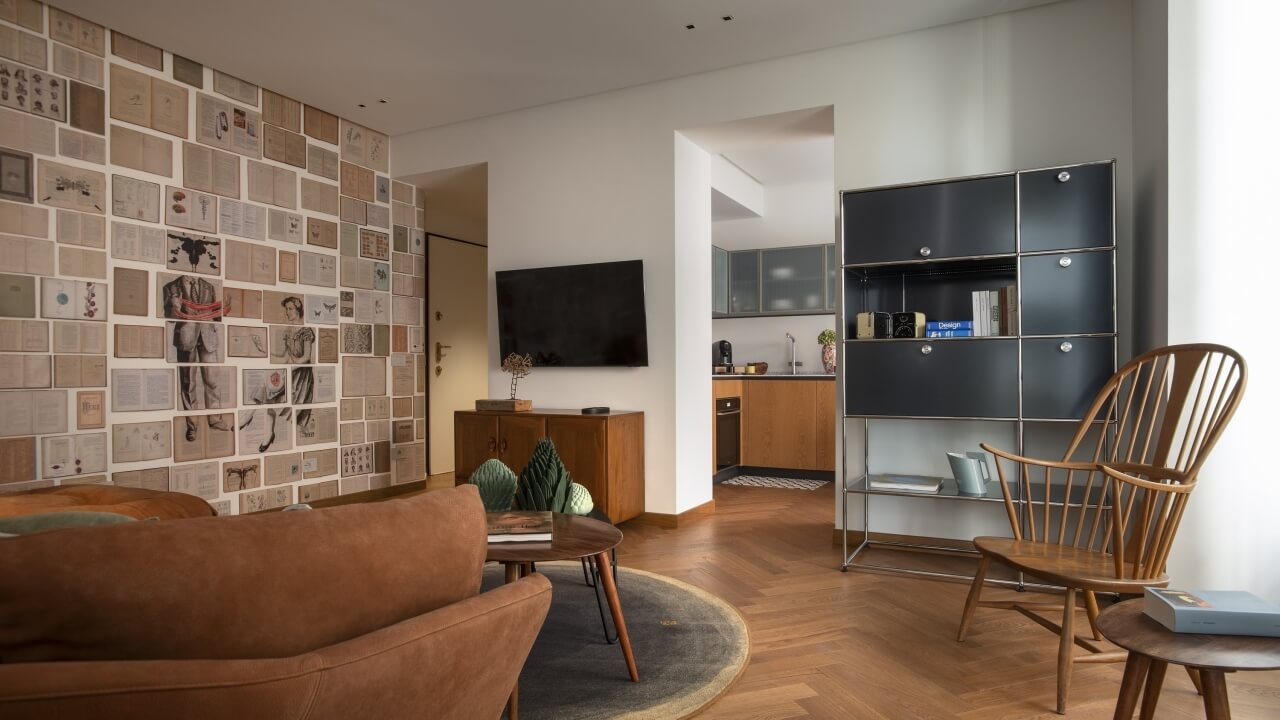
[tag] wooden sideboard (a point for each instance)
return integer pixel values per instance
(603, 453)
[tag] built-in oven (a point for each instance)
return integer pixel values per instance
(728, 432)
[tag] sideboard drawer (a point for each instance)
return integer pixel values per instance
(932, 378)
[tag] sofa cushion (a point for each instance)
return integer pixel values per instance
(251, 586)
(134, 502)
(40, 522)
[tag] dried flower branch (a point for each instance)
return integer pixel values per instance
(519, 366)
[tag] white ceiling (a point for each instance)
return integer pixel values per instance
(441, 61)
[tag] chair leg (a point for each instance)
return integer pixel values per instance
(1091, 607)
(1065, 643)
(975, 591)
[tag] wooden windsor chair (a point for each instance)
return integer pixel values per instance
(1107, 524)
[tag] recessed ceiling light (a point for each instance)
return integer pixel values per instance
(360, 105)
(384, 102)
(726, 18)
(689, 27)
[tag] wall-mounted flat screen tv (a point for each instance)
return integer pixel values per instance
(574, 315)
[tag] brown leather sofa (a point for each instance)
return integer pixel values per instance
(360, 611)
(137, 503)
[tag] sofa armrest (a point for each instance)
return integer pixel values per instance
(459, 661)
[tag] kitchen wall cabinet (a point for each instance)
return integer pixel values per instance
(719, 280)
(603, 453)
(799, 280)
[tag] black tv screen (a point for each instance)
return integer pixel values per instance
(574, 315)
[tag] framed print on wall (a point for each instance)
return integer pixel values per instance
(16, 179)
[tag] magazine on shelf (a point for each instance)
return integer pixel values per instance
(519, 526)
(906, 483)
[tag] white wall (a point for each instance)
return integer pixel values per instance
(594, 178)
(733, 183)
(1223, 151)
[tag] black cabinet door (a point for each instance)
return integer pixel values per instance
(1067, 293)
(1066, 208)
(953, 378)
(953, 219)
(1062, 376)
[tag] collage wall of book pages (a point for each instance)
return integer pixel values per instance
(206, 286)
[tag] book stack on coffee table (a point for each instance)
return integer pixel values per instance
(519, 526)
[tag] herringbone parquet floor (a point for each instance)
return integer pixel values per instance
(827, 644)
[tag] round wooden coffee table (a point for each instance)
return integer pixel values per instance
(573, 537)
(1152, 647)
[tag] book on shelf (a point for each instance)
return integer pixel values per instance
(905, 483)
(996, 310)
(948, 325)
(948, 333)
(980, 315)
(1212, 612)
(519, 526)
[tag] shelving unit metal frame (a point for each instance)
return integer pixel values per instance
(859, 486)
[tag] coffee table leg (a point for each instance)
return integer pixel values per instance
(513, 570)
(615, 607)
(1151, 695)
(1216, 706)
(1135, 671)
(513, 710)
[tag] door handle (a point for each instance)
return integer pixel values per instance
(503, 447)
(440, 350)
(493, 443)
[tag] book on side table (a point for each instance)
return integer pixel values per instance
(519, 526)
(1213, 612)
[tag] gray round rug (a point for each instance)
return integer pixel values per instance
(689, 645)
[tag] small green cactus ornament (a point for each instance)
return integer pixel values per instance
(544, 482)
(497, 485)
(579, 500)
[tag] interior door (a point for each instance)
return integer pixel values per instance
(457, 340)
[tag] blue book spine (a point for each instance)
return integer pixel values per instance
(948, 333)
(948, 325)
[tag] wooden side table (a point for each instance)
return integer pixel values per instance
(1152, 647)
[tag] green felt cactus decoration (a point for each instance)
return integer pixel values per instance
(579, 500)
(497, 485)
(544, 482)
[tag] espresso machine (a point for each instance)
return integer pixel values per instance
(722, 355)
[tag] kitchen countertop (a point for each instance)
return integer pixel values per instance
(772, 376)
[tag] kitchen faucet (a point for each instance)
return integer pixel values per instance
(792, 338)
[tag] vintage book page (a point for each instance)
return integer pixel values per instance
(402, 376)
(327, 345)
(311, 385)
(316, 269)
(72, 188)
(135, 199)
(285, 226)
(139, 341)
(71, 455)
(350, 409)
(354, 211)
(281, 111)
(291, 344)
(363, 146)
(317, 425)
(88, 107)
(382, 191)
(33, 90)
(363, 376)
(235, 88)
(210, 170)
(375, 245)
(131, 292)
(242, 219)
(317, 491)
(351, 433)
(72, 371)
(24, 47)
(250, 262)
(24, 336)
(377, 408)
(189, 342)
(191, 209)
(378, 431)
(34, 412)
(273, 185)
(248, 342)
(168, 108)
(141, 151)
(17, 296)
(322, 309)
(283, 469)
(378, 216)
(76, 31)
(279, 308)
(320, 197)
(288, 266)
(19, 372)
(266, 498)
(356, 181)
(80, 229)
(284, 146)
(80, 262)
(26, 220)
(137, 242)
(401, 192)
(201, 437)
(321, 162)
(29, 133)
(206, 387)
(240, 475)
(357, 273)
(381, 338)
(188, 71)
(73, 299)
(320, 124)
(26, 255)
(320, 463)
(137, 51)
(17, 460)
(142, 389)
(148, 479)
(266, 429)
(79, 337)
(75, 64)
(130, 96)
(356, 460)
(91, 410)
(194, 253)
(322, 233)
(199, 479)
(243, 303)
(402, 214)
(266, 386)
(135, 442)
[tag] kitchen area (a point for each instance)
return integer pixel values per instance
(774, 293)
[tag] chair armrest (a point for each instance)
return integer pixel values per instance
(1053, 464)
(1129, 473)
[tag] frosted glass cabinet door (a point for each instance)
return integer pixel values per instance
(719, 280)
(793, 279)
(744, 281)
(832, 273)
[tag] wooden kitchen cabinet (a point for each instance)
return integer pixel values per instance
(603, 453)
(789, 424)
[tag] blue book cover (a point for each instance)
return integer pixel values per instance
(948, 333)
(1213, 612)
(949, 325)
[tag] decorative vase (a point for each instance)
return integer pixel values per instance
(829, 359)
